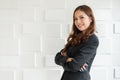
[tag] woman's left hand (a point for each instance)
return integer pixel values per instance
(83, 68)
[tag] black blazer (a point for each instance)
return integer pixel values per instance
(82, 53)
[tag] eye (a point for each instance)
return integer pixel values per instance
(81, 17)
(75, 19)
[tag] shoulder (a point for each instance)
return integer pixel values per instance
(93, 39)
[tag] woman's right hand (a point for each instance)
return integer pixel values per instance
(64, 53)
(69, 59)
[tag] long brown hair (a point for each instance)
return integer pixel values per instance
(76, 36)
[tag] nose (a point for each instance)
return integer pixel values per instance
(78, 21)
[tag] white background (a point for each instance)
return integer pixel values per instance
(33, 31)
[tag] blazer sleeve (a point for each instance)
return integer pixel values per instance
(60, 59)
(85, 53)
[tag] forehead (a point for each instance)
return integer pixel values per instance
(79, 13)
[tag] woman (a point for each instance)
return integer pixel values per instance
(78, 54)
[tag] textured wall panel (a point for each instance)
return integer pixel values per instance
(116, 10)
(50, 61)
(72, 4)
(6, 30)
(33, 74)
(101, 28)
(104, 46)
(26, 15)
(96, 4)
(103, 60)
(117, 73)
(8, 3)
(53, 30)
(98, 74)
(103, 14)
(34, 29)
(116, 59)
(117, 28)
(53, 45)
(6, 75)
(8, 15)
(65, 31)
(28, 3)
(53, 75)
(116, 45)
(27, 61)
(58, 4)
(9, 61)
(30, 43)
(55, 14)
(8, 46)
(39, 60)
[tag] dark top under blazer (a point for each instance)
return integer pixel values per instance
(82, 53)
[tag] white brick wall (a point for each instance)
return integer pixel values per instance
(33, 31)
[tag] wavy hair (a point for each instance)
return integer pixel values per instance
(76, 36)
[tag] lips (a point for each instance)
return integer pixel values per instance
(80, 26)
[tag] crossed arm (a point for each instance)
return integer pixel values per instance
(83, 68)
(78, 63)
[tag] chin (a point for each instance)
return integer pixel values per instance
(80, 29)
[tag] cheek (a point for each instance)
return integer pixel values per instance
(75, 23)
(88, 23)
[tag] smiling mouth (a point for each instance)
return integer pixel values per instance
(79, 25)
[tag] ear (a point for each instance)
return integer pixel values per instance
(90, 18)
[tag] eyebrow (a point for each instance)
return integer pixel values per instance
(79, 16)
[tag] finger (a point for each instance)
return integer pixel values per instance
(61, 53)
(85, 64)
(80, 70)
(84, 67)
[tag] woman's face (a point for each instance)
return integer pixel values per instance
(82, 21)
